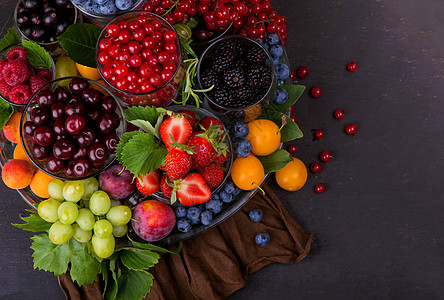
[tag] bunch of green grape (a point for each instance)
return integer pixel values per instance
(79, 210)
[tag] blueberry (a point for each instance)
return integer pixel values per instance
(78, 1)
(90, 5)
(225, 197)
(280, 96)
(236, 191)
(273, 39)
(276, 51)
(255, 215)
(215, 206)
(240, 130)
(101, 1)
(109, 8)
(183, 225)
(282, 71)
(193, 214)
(206, 217)
(229, 188)
(123, 4)
(215, 196)
(262, 239)
(181, 211)
(243, 148)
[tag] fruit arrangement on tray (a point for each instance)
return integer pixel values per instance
(150, 128)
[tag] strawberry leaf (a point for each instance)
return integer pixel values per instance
(34, 223)
(142, 154)
(123, 140)
(109, 278)
(146, 118)
(37, 55)
(10, 38)
(133, 284)
(275, 161)
(138, 259)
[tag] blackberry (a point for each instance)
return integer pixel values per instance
(223, 95)
(234, 77)
(259, 76)
(209, 78)
(255, 55)
(230, 47)
(243, 94)
(223, 62)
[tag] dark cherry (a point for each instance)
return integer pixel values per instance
(108, 104)
(352, 66)
(74, 109)
(46, 98)
(93, 114)
(97, 140)
(59, 127)
(74, 99)
(30, 4)
(108, 122)
(319, 188)
(303, 72)
(315, 168)
(78, 85)
(29, 127)
(63, 149)
(292, 149)
(339, 114)
(351, 129)
(44, 136)
(97, 154)
(319, 134)
(82, 167)
(61, 137)
(316, 92)
(111, 140)
(325, 156)
(69, 168)
(39, 116)
(54, 165)
(86, 137)
(61, 94)
(57, 110)
(74, 124)
(79, 153)
(92, 97)
(40, 152)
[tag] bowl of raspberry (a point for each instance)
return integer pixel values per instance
(139, 55)
(72, 132)
(19, 80)
(239, 71)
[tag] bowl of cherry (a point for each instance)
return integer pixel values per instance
(71, 127)
(139, 55)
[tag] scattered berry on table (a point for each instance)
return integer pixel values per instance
(303, 72)
(183, 225)
(243, 148)
(319, 188)
(240, 130)
(255, 215)
(213, 205)
(292, 109)
(315, 167)
(293, 76)
(352, 66)
(326, 156)
(319, 134)
(339, 114)
(193, 214)
(294, 118)
(229, 187)
(181, 211)
(282, 71)
(206, 217)
(292, 149)
(262, 239)
(316, 92)
(225, 197)
(280, 96)
(351, 129)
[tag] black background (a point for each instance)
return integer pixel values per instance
(378, 226)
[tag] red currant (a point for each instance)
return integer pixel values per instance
(351, 129)
(315, 168)
(325, 156)
(319, 134)
(293, 76)
(139, 34)
(113, 30)
(352, 66)
(294, 119)
(292, 149)
(103, 58)
(146, 70)
(303, 72)
(339, 114)
(170, 47)
(169, 36)
(135, 61)
(319, 188)
(316, 92)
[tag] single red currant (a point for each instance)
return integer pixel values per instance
(294, 119)
(352, 66)
(293, 76)
(292, 149)
(316, 92)
(339, 114)
(351, 129)
(303, 72)
(315, 167)
(325, 156)
(113, 30)
(319, 188)
(319, 134)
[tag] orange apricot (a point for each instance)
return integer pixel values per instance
(17, 174)
(39, 184)
(19, 153)
(11, 130)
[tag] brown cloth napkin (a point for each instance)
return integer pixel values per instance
(216, 263)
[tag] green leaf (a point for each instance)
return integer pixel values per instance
(11, 37)
(294, 93)
(138, 259)
(34, 223)
(142, 154)
(55, 258)
(79, 41)
(275, 161)
(37, 55)
(6, 112)
(133, 284)
(123, 141)
(110, 278)
(290, 131)
(156, 248)
(146, 118)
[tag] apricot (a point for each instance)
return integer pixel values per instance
(19, 153)
(11, 130)
(17, 174)
(39, 184)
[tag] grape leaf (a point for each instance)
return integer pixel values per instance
(133, 284)
(294, 93)
(138, 259)
(142, 155)
(55, 258)
(155, 248)
(79, 41)
(6, 112)
(275, 161)
(11, 37)
(123, 140)
(37, 55)
(34, 223)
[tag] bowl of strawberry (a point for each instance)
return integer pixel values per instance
(139, 55)
(70, 129)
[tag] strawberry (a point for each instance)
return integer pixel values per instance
(211, 121)
(207, 145)
(192, 189)
(213, 174)
(175, 129)
(191, 116)
(166, 186)
(222, 158)
(177, 163)
(149, 183)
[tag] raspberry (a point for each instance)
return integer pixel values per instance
(15, 72)
(36, 82)
(4, 88)
(31, 70)
(20, 93)
(45, 73)
(2, 63)
(17, 54)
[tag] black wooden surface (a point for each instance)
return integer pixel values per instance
(379, 230)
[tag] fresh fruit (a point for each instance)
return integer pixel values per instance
(117, 182)
(292, 149)
(339, 114)
(85, 219)
(262, 239)
(103, 228)
(91, 185)
(280, 96)
(206, 217)
(39, 184)
(175, 129)
(103, 247)
(55, 189)
(67, 212)
(192, 189)
(48, 210)
(214, 205)
(213, 174)
(60, 233)
(166, 186)
(240, 130)
(149, 183)
(191, 116)
(325, 156)
(319, 134)
(183, 225)
(88, 72)
(319, 188)
(247, 173)
(153, 220)
(303, 72)
(243, 148)
(206, 147)
(315, 168)
(120, 231)
(252, 113)
(352, 66)
(11, 130)
(178, 163)
(17, 174)
(99, 203)
(73, 191)
(211, 121)
(65, 67)
(351, 129)
(119, 215)
(81, 235)
(264, 136)
(316, 92)
(19, 153)
(255, 215)
(293, 176)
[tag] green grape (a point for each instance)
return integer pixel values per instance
(55, 189)
(85, 219)
(65, 67)
(73, 191)
(120, 231)
(99, 203)
(91, 185)
(60, 233)
(47, 210)
(103, 228)
(83, 203)
(81, 235)
(115, 202)
(119, 215)
(103, 247)
(68, 212)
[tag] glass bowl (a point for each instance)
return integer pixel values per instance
(25, 30)
(82, 151)
(206, 61)
(160, 96)
(3, 53)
